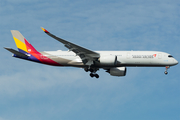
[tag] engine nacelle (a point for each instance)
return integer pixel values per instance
(118, 71)
(108, 60)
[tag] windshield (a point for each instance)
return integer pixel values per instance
(170, 56)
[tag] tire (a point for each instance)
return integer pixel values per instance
(96, 75)
(92, 75)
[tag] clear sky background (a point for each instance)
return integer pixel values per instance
(31, 91)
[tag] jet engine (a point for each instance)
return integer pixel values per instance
(108, 60)
(118, 71)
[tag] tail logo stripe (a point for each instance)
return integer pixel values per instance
(20, 44)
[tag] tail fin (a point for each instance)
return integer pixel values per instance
(27, 51)
(22, 44)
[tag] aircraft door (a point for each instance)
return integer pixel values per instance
(128, 55)
(159, 55)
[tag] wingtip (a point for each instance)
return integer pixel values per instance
(6, 48)
(44, 30)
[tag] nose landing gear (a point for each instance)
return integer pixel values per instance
(167, 67)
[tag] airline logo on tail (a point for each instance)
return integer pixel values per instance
(27, 49)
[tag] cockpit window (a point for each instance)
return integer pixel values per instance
(170, 56)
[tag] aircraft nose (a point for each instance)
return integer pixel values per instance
(175, 61)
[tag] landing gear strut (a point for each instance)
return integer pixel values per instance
(93, 72)
(167, 67)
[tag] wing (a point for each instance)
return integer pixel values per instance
(87, 56)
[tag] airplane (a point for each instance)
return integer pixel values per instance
(113, 62)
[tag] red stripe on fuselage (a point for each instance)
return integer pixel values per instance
(31, 50)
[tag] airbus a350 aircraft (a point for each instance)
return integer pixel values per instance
(114, 62)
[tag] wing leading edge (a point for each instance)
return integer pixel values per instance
(87, 56)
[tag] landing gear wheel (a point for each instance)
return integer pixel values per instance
(86, 69)
(167, 67)
(96, 75)
(93, 71)
(91, 74)
(165, 72)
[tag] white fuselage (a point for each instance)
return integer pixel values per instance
(114, 62)
(124, 58)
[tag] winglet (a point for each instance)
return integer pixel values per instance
(44, 30)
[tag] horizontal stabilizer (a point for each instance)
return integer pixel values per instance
(16, 52)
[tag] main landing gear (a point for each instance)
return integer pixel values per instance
(93, 72)
(94, 75)
(167, 67)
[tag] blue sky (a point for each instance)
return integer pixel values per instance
(34, 91)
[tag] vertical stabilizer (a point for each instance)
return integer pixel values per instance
(22, 44)
(19, 40)
(27, 51)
